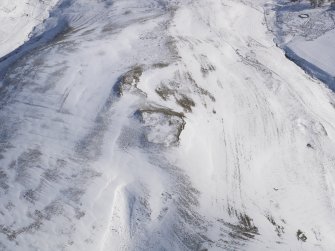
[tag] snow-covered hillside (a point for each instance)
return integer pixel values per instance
(18, 19)
(163, 125)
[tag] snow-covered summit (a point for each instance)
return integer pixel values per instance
(162, 125)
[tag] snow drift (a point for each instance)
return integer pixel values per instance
(163, 125)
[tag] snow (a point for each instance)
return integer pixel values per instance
(308, 40)
(163, 125)
(319, 51)
(18, 19)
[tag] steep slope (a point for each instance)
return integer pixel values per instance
(18, 19)
(307, 35)
(164, 125)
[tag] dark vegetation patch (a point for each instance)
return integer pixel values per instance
(182, 100)
(246, 226)
(25, 163)
(165, 92)
(63, 35)
(186, 103)
(160, 65)
(12, 234)
(206, 66)
(37, 216)
(163, 110)
(205, 69)
(191, 227)
(278, 228)
(172, 47)
(245, 229)
(199, 89)
(3, 180)
(177, 90)
(30, 195)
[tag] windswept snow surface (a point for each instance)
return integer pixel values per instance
(18, 19)
(164, 125)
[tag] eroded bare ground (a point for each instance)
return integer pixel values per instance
(131, 131)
